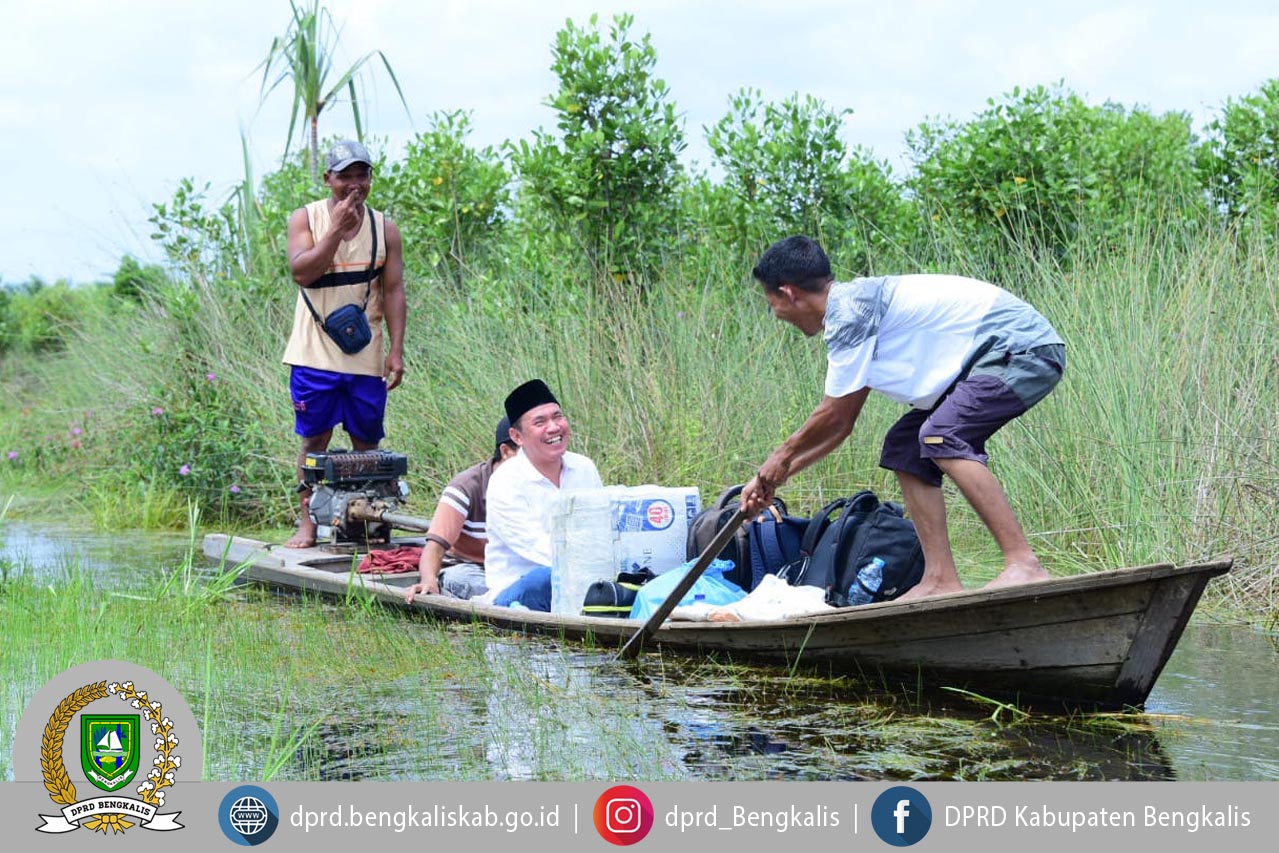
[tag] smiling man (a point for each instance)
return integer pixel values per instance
(342, 253)
(517, 558)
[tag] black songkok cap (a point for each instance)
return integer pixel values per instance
(530, 395)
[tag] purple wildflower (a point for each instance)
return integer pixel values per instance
(212, 377)
(13, 456)
(184, 470)
(157, 411)
(235, 490)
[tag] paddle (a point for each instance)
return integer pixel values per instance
(635, 643)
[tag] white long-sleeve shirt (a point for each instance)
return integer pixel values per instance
(519, 515)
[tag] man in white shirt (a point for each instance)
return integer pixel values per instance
(517, 557)
(967, 356)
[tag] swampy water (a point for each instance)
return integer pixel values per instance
(1211, 716)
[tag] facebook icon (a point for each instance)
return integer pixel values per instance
(901, 816)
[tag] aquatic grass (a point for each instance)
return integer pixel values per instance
(1001, 709)
(148, 504)
(284, 740)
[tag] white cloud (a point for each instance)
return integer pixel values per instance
(120, 100)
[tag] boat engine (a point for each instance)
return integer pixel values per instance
(356, 495)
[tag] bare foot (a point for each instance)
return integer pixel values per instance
(1019, 573)
(305, 537)
(925, 589)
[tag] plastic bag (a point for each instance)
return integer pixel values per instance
(775, 599)
(716, 591)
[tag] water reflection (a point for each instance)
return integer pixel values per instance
(49, 551)
(1219, 691)
(544, 710)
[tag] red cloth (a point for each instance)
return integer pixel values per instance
(393, 561)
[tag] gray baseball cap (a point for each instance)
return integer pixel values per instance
(347, 152)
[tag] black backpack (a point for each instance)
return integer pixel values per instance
(866, 527)
(762, 546)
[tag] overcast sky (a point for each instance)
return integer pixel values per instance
(105, 106)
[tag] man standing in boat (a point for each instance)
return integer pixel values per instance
(521, 494)
(459, 529)
(967, 356)
(343, 255)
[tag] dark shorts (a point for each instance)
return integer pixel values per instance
(323, 399)
(998, 387)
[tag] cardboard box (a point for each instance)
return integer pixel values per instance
(650, 526)
(597, 533)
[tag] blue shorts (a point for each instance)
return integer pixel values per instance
(997, 388)
(323, 399)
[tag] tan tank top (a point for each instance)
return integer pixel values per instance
(344, 283)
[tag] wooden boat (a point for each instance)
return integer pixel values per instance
(1097, 640)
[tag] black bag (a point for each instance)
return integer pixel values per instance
(865, 528)
(348, 325)
(760, 547)
(610, 598)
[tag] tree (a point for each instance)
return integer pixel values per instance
(611, 177)
(787, 171)
(1239, 161)
(304, 55)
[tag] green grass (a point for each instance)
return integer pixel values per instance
(1158, 446)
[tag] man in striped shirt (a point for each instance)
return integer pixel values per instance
(453, 558)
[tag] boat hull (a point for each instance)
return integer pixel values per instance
(1094, 641)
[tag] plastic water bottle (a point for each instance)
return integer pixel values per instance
(869, 577)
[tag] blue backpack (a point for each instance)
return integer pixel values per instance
(762, 546)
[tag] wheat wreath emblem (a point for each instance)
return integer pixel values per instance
(62, 790)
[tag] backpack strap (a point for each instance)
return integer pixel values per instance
(726, 496)
(769, 541)
(862, 503)
(817, 526)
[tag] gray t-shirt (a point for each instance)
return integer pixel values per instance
(910, 336)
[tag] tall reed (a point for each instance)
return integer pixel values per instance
(1158, 446)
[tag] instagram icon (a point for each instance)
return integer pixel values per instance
(623, 815)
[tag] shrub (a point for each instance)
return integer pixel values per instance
(136, 282)
(449, 200)
(787, 171)
(1037, 164)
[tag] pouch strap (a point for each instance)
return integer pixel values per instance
(371, 273)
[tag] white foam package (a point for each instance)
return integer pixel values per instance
(597, 533)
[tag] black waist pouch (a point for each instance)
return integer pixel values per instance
(348, 326)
